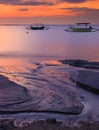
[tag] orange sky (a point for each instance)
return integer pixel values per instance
(49, 11)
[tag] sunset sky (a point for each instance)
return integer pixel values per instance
(49, 11)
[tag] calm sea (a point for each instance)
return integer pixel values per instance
(54, 42)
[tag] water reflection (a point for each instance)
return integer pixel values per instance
(16, 69)
(53, 42)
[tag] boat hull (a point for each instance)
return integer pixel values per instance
(37, 28)
(81, 30)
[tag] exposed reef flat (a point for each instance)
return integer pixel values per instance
(87, 79)
(15, 98)
(81, 63)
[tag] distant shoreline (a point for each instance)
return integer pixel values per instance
(44, 24)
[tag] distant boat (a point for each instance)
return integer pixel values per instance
(81, 27)
(37, 27)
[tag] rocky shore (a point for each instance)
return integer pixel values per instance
(87, 79)
(45, 125)
(81, 63)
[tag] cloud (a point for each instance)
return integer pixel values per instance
(73, 1)
(84, 13)
(38, 2)
(26, 3)
(83, 9)
(23, 9)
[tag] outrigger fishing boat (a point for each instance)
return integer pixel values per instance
(81, 27)
(37, 27)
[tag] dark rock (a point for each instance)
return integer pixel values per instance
(81, 63)
(43, 125)
(88, 80)
(6, 124)
(53, 121)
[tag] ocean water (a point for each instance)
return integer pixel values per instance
(30, 58)
(17, 40)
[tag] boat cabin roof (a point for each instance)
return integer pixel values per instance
(38, 25)
(83, 24)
